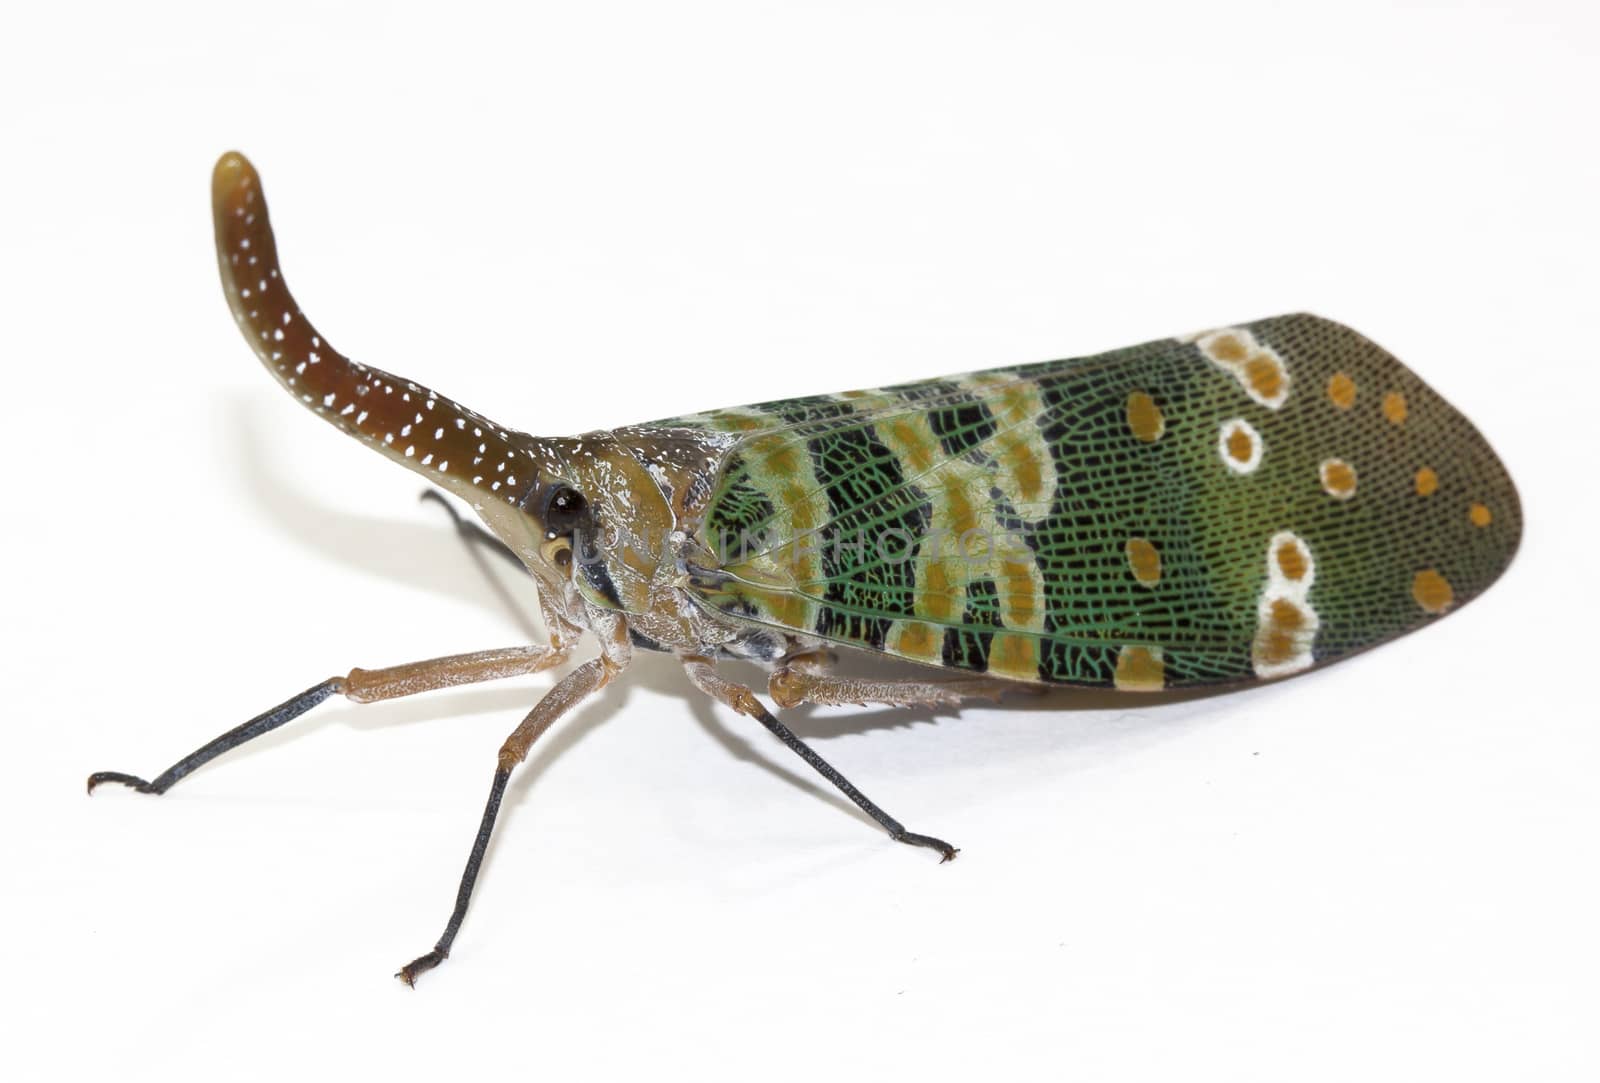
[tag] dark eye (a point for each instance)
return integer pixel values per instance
(563, 511)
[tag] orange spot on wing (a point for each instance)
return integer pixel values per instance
(1427, 482)
(1264, 374)
(1341, 390)
(1432, 591)
(1144, 417)
(1274, 646)
(1394, 407)
(1279, 638)
(1227, 348)
(919, 453)
(792, 611)
(1012, 655)
(963, 516)
(1019, 602)
(1286, 615)
(1338, 479)
(917, 639)
(1145, 561)
(1291, 561)
(1014, 403)
(1140, 669)
(782, 460)
(1259, 369)
(935, 598)
(1480, 515)
(1025, 469)
(796, 502)
(1240, 446)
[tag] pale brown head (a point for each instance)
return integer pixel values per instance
(533, 492)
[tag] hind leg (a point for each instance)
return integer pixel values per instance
(802, 678)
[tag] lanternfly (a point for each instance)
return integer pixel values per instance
(1214, 509)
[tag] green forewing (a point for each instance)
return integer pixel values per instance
(1243, 503)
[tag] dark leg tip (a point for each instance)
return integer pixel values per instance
(132, 781)
(434, 496)
(420, 966)
(946, 851)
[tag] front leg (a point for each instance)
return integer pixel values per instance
(741, 699)
(571, 690)
(360, 686)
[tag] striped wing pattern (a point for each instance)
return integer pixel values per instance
(1239, 504)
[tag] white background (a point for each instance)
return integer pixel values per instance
(575, 216)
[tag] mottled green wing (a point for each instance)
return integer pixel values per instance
(1242, 503)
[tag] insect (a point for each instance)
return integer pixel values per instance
(1221, 508)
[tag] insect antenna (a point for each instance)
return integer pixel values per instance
(471, 533)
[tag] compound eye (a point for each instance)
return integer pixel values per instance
(563, 511)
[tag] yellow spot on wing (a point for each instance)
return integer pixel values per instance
(1019, 460)
(1144, 417)
(936, 597)
(1145, 561)
(1027, 473)
(1338, 479)
(735, 419)
(1394, 407)
(1341, 390)
(917, 639)
(1432, 591)
(1287, 615)
(965, 539)
(961, 509)
(1427, 482)
(784, 471)
(792, 611)
(1480, 515)
(1281, 636)
(1286, 624)
(1264, 373)
(1014, 656)
(1240, 445)
(1259, 369)
(1140, 669)
(1021, 595)
(919, 450)
(1228, 346)
(1291, 558)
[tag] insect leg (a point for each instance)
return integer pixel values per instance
(362, 686)
(800, 680)
(473, 534)
(741, 699)
(567, 693)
